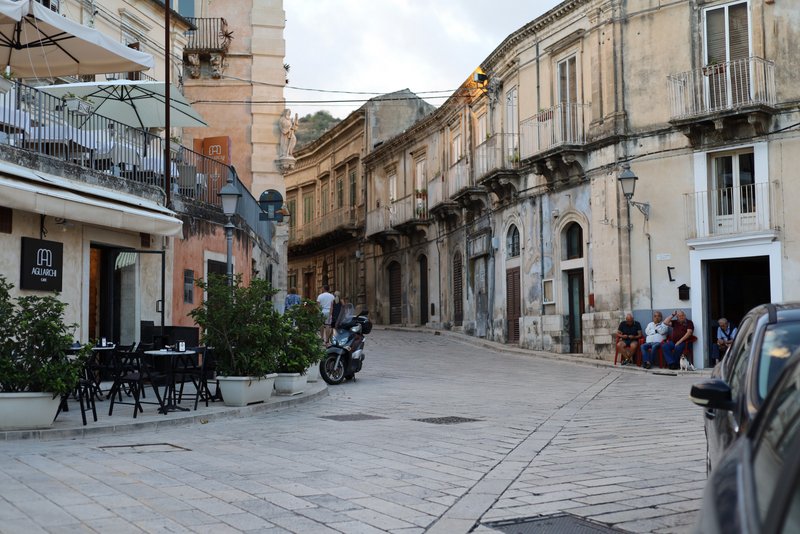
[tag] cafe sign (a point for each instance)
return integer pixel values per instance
(42, 263)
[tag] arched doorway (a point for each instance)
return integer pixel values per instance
(513, 300)
(573, 249)
(458, 291)
(395, 294)
(423, 290)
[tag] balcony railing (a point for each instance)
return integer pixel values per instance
(722, 87)
(731, 210)
(435, 189)
(338, 218)
(211, 35)
(377, 221)
(500, 151)
(560, 125)
(40, 123)
(411, 208)
(458, 178)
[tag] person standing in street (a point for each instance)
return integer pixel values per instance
(325, 301)
(292, 299)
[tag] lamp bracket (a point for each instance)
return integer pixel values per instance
(644, 207)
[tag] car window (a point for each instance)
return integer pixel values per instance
(774, 443)
(792, 522)
(741, 355)
(780, 340)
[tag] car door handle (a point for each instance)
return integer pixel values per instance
(711, 414)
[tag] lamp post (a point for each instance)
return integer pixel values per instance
(229, 195)
(628, 182)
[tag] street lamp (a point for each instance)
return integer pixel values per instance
(229, 195)
(628, 182)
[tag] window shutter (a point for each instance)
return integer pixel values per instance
(739, 32)
(715, 36)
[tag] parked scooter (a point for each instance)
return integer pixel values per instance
(345, 355)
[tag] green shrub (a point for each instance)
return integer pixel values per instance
(241, 324)
(33, 345)
(303, 345)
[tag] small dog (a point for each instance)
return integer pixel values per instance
(685, 365)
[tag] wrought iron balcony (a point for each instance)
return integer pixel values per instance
(563, 125)
(728, 211)
(722, 87)
(458, 178)
(211, 35)
(409, 210)
(498, 152)
(377, 221)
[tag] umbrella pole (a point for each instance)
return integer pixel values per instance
(167, 84)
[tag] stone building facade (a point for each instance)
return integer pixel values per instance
(326, 199)
(129, 251)
(502, 214)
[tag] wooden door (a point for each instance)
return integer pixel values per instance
(395, 294)
(576, 308)
(458, 291)
(513, 304)
(423, 290)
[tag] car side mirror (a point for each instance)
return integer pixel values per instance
(714, 394)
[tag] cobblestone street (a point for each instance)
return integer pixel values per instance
(538, 436)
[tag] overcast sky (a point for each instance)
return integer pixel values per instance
(381, 46)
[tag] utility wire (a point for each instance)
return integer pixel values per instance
(256, 82)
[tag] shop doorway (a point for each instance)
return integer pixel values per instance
(115, 296)
(733, 287)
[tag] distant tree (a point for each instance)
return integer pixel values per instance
(311, 127)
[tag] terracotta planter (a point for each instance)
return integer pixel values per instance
(25, 411)
(244, 390)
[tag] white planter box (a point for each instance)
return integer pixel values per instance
(24, 411)
(290, 383)
(312, 373)
(244, 390)
(5, 85)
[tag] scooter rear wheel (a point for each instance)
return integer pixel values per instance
(332, 372)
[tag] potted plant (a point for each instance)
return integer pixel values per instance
(303, 347)
(78, 104)
(713, 67)
(246, 333)
(35, 370)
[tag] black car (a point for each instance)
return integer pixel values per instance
(767, 336)
(756, 485)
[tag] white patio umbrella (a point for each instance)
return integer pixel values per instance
(37, 42)
(140, 104)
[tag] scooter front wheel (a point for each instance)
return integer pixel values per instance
(331, 370)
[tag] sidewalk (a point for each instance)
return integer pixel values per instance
(68, 425)
(591, 361)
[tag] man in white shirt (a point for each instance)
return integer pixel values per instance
(656, 331)
(325, 301)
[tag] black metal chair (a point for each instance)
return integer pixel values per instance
(198, 369)
(133, 372)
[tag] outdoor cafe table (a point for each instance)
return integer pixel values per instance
(170, 404)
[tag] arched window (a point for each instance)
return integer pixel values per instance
(512, 242)
(574, 241)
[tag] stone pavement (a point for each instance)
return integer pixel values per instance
(527, 436)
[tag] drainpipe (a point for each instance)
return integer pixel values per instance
(541, 253)
(650, 269)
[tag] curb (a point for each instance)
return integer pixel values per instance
(501, 347)
(275, 403)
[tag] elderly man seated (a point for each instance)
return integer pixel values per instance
(656, 332)
(682, 332)
(628, 334)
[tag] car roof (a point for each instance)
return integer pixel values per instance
(778, 312)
